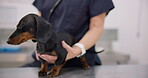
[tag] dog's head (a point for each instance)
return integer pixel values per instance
(31, 27)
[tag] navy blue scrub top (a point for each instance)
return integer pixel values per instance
(73, 16)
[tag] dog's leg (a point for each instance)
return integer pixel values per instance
(84, 62)
(55, 70)
(44, 68)
(59, 63)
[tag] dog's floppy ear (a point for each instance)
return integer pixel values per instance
(44, 31)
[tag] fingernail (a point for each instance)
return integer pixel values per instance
(43, 55)
(63, 41)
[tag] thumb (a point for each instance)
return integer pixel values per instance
(66, 46)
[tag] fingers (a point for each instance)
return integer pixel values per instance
(37, 57)
(70, 50)
(66, 46)
(48, 58)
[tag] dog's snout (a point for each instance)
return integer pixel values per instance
(9, 42)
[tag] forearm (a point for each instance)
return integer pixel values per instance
(91, 37)
(93, 34)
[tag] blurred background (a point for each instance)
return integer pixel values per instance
(125, 38)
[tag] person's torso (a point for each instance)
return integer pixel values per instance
(69, 16)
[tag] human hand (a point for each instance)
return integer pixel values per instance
(72, 51)
(48, 58)
(37, 57)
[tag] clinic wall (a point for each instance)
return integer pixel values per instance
(11, 11)
(130, 18)
(144, 32)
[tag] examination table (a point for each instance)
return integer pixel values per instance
(104, 71)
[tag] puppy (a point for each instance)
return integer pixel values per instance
(35, 28)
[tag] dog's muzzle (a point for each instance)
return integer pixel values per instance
(9, 41)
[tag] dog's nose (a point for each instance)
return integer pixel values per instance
(9, 42)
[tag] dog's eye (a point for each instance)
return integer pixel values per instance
(20, 27)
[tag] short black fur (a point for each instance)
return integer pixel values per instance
(48, 40)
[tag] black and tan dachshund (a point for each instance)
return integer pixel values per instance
(35, 28)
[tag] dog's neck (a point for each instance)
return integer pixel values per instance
(53, 37)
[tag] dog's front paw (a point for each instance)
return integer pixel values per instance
(53, 73)
(86, 67)
(42, 73)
